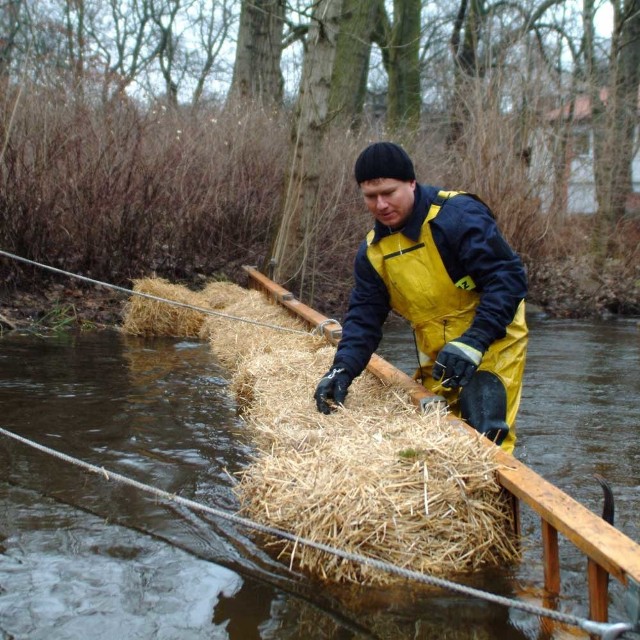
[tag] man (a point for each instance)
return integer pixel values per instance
(438, 259)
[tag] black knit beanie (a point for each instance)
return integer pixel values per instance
(384, 160)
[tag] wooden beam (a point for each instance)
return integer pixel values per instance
(330, 329)
(598, 540)
(598, 592)
(551, 558)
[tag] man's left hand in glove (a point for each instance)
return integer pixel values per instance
(457, 362)
(332, 389)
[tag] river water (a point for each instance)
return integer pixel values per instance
(82, 556)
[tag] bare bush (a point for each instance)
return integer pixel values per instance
(491, 159)
(117, 191)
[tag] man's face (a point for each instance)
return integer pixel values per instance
(389, 200)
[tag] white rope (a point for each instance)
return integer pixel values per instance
(150, 296)
(606, 630)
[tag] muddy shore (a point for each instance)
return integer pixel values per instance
(60, 306)
(560, 291)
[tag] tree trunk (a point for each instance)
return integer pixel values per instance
(400, 45)
(404, 102)
(256, 72)
(614, 123)
(292, 246)
(351, 68)
(625, 96)
(164, 15)
(12, 24)
(464, 44)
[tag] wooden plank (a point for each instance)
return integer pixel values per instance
(609, 548)
(551, 558)
(598, 540)
(331, 329)
(598, 592)
(517, 520)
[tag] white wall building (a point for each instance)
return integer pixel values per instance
(580, 190)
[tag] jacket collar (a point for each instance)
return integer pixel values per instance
(413, 227)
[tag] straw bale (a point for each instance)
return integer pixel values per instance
(219, 295)
(376, 479)
(233, 341)
(147, 317)
(373, 478)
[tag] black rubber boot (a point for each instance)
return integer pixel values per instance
(483, 404)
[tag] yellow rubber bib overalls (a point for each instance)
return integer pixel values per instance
(440, 310)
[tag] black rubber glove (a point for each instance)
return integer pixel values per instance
(456, 363)
(332, 387)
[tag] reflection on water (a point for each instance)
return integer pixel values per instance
(84, 557)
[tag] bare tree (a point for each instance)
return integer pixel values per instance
(358, 24)
(404, 66)
(12, 17)
(295, 233)
(164, 14)
(482, 34)
(75, 15)
(256, 73)
(179, 40)
(614, 115)
(128, 52)
(212, 24)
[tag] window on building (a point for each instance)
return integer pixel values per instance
(581, 142)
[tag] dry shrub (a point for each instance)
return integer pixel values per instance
(117, 190)
(490, 157)
(375, 478)
(571, 282)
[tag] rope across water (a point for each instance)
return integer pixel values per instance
(150, 296)
(606, 630)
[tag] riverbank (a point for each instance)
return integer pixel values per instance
(125, 197)
(59, 306)
(562, 289)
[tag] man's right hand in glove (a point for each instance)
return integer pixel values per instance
(332, 389)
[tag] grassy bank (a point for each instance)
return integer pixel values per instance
(116, 191)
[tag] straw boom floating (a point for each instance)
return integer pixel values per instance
(375, 478)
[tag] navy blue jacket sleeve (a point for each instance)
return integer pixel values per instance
(368, 309)
(466, 230)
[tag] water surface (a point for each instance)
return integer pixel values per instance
(82, 557)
